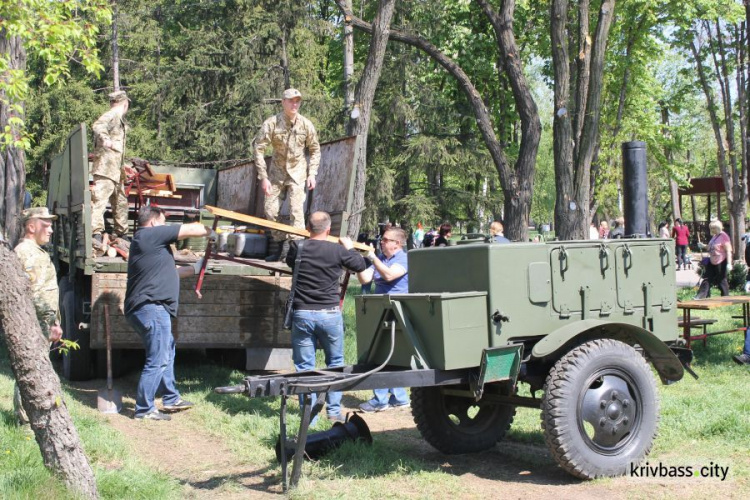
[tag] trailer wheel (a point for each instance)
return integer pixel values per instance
(600, 409)
(455, 424)
(77, 363)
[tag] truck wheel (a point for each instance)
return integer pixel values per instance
(454, 424)
(77, 363)
(600, 409)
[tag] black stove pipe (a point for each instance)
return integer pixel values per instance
(635, 189)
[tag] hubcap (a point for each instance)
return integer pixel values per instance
(610, 407)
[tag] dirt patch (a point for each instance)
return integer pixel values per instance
(207, 468)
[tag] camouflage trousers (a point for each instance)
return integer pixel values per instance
(106, 190)
(274, 202)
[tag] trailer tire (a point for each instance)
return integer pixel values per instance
(454, 424)
(600, 409)
(77, 362)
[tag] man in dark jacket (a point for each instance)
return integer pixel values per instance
(151, 301)
(317, 315)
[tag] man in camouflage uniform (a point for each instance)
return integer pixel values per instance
(109, 173)
(290, 134)
(37, 225)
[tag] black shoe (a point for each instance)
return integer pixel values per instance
(178, 406)
(154, 415)
(742, 359)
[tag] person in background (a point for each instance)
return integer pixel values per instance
(444, 235)
(37, 229)
(681, 235)
(418, 236)
(619, 229)
(603, 230)
(719, 260)
(390, 274)
(593, 232)
(664, 229)
(151, 301)
(496, 233)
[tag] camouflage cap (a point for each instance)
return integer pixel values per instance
(291, 94)
(118, 96)
(37, 213)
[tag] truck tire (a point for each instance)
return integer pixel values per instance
(454, 424)
(77, 362)
(600, 409)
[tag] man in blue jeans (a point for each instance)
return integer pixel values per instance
(317, 316)
(391, 277)
(151, 301)
(744, 358)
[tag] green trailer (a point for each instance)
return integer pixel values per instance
(241, 308)
(569, 328)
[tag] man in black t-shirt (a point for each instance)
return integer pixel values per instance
(151, 301)
(317, 316)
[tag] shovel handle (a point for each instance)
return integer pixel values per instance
(108, 337)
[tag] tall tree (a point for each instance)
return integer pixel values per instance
(54, 32)
(517, 181)
(359, 123)
(578, 89)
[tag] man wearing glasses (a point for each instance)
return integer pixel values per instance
(290, 134)
(391, 277)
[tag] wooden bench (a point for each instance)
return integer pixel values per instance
(698, 323)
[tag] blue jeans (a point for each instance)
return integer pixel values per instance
(154, 325)
(326, 328)
(382, 397)
(746, 350)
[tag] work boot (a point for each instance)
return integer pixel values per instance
(284, 251)
(97, 239)
(274, 247)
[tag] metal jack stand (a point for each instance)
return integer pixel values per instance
(309, 412)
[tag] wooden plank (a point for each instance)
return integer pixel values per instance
(228, 214)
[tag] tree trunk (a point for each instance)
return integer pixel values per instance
(573, 158)
(115, 48)
(40, 387)
(348, 62)
(12, 159)
(364, 95)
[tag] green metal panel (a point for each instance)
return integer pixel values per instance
(498, 364)
(582, 280)
(540, 282)
(446, 331)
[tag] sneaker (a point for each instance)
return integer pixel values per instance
(337, 418)
(154, 415)
(742, 359)
(178, 406)
(368, 407)
(400, 406)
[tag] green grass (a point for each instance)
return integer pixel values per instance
(118, 475)
(702, 421)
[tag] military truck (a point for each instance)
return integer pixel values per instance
(241, 305)
(485, 327)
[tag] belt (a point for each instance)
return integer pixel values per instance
(330, 309)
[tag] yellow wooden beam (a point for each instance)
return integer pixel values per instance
(228, 214)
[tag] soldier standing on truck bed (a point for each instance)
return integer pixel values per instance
(37, 229)
(109, 173)
(290, 134)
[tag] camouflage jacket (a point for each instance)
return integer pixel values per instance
(289, 141)
(108, 162)
(38, 267)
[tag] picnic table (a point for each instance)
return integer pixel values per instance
(688, 322)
